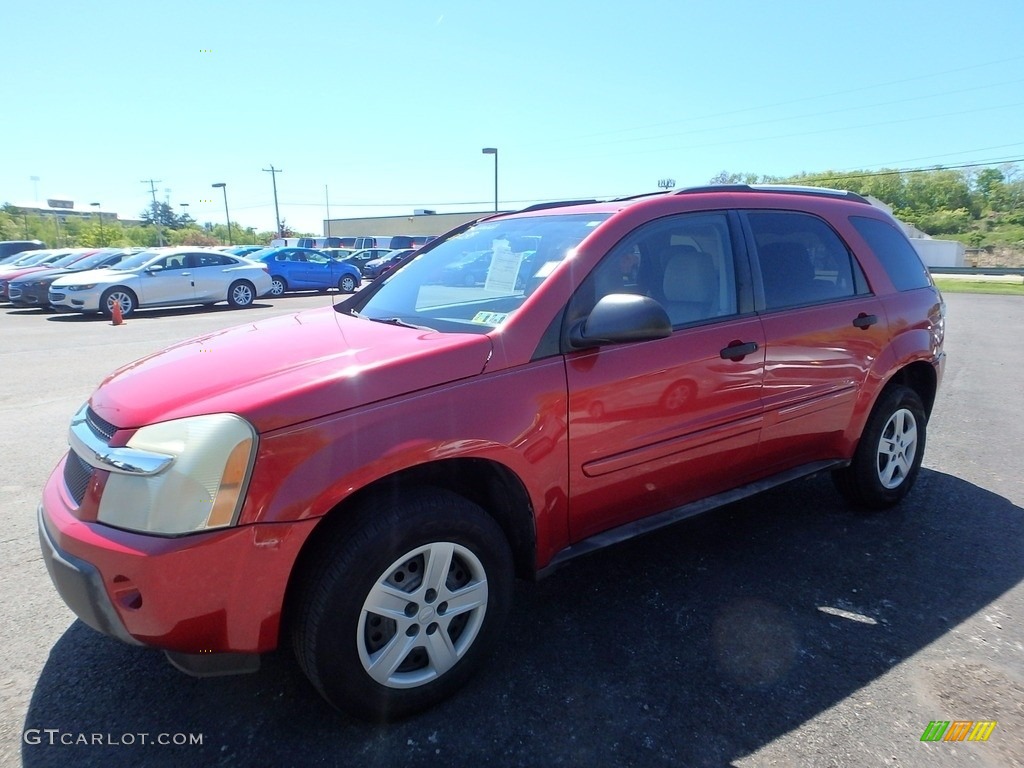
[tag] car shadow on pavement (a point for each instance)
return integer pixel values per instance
(695, 646)
(152, 314)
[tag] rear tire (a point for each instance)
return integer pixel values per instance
(398, 605)
(278, 285)
(888, 456)
(241, 294)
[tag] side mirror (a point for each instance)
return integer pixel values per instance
(620, 318)
(155, 268)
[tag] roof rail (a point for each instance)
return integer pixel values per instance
(638, 196)
(554, 204)
(790, 189)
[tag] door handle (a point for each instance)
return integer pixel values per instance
(185, 274)
(865, 321)
(737, 350)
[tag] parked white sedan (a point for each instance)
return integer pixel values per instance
(164, 278)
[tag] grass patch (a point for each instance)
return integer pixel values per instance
(967, 286)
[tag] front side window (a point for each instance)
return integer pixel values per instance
(475, 280)
(802, 260)
(173, 262)
(685, 263)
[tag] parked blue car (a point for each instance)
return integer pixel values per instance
(304, 269)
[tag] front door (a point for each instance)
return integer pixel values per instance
(169, 285)
(656, 424)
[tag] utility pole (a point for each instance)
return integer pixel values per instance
(156, 210)
(277, 214)
(327, 223)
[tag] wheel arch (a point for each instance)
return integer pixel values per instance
(489, 484)
(921, 377)
(117, 287)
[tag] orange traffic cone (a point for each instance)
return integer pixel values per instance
(115, 314)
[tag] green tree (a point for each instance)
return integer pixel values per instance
(989, 183)
(163, 215)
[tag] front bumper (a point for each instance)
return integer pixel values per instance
(204, 593)
(81, 587)
(28, 297)
(64, 300)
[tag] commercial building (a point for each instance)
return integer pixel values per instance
(421, 222)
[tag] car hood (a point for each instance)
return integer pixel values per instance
(287, 370)
(98, 276)
(44, 274)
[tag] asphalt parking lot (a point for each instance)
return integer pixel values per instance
(783, 630)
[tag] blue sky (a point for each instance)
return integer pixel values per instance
(388, 104)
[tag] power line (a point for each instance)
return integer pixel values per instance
(805, 116)
(930, 157)
(788, 102)
(901, 171)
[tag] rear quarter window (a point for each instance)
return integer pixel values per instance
(895, 253)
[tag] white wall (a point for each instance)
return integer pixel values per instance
(940, 253)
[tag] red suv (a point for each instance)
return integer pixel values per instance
(369, 490)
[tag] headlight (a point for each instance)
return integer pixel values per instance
(201, 489)
(80, 287)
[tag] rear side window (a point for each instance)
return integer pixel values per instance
(802, 260)
(211, 260)
(894, 251)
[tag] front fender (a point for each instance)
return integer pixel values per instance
(516, 418)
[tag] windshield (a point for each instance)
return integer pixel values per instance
(70, 258)
(91, 261)
(30, 258)
(473, 282)
(137, 260)
(258, 255)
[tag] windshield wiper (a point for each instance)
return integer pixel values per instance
(392, 321)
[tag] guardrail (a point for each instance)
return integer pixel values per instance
(976, 270)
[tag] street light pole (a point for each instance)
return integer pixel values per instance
(103, 239)
(494, 151)
(227, 215)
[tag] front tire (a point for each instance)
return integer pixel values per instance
(888, 456)
(118, 295)
(241, 294)
(347, 284)
(399, 605)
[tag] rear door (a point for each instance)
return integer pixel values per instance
(656, 424)
(210, 275)
(823, 329)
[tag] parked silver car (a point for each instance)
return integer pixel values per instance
(163, 278)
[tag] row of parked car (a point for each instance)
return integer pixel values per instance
(95, 280)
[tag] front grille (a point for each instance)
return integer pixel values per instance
(57, 296)
(76, 476)
(100, 426)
